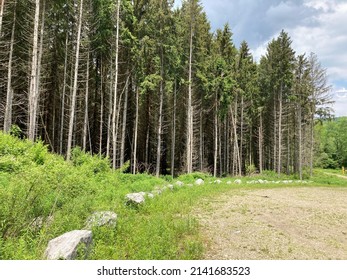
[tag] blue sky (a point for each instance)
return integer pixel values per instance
(318, 26)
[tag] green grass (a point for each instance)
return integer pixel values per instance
(35, 183)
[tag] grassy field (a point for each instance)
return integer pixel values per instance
(35, 184)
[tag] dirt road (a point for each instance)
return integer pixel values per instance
(282, 223)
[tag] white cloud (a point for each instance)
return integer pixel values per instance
(340, 106)
(327, 38)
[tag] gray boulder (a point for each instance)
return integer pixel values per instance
(67, 246)
(150, 195)
(179, 184)
(135, 198)
(101, 218)
(199, 182)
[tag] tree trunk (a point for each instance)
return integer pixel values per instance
(241, 131)
(173, 139)
(135, 131)
(74, 89)
(109, 118)
(160, 118)
(201, 132)
(189, 105)
(9, 96)
(62, 118)
(279, 162)
(236, 145)
(275, 137)
(215, 151)
(33, 94)
(114, 133)
(299, 142)
(2, 4)
(101, 128)
(311, 141)
(260, 143)
(125, 110)
(86, 102)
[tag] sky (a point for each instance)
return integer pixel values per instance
(318, 26)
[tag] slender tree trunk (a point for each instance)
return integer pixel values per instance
(125, 111)
(215, 151)
(261, 143)
(219, 124)
(86, 103)
(173, 140)
(311, 141)
(241, 130)
(74, 89)
(135, 130)
(114, 133)
(160, 118)
(280, 112)
(62, 118)
(9, 95)
(40, 53)
(101, 128)
(201, 132)
(236, 145)
(275, 138)
(33, 94)
(189, 105)
(299, 142)
(109, 118)
(2, 4)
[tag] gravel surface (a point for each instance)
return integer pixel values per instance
(280, 224)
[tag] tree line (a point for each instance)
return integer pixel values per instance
(149, 84)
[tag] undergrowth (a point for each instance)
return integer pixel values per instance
(42, 196)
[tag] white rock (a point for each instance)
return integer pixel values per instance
(199, 182)
(179, 183)
(65, 246)
(229, 183)
(135, 198)
(238, 181)
(260, 181)
(150, 195)
(101, 218)
(218, 181)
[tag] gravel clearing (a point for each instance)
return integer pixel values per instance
(305, 223)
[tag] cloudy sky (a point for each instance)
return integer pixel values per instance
(318, 26)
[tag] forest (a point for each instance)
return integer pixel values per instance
(153, 88)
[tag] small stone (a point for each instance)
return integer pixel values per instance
(65, 246)
(179, 184)
(260, 181)
(157, 192)
(238, 181)
(135, 198)
(217, 181)
(101, 218)
(150, 195)
(229, 183)
(199, 182)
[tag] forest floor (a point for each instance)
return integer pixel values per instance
(278, 223)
